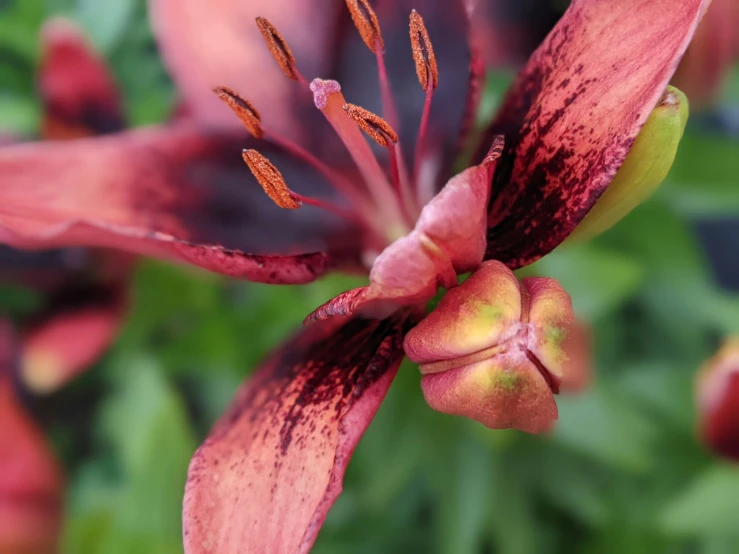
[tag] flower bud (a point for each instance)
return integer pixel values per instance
(31, 493)
(496, 350)
(717, 396)
(646, 166)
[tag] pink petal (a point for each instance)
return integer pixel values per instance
(272, 467)
(168, 192)
(455, 218)
(30, 477)
(207, 44)
(573, 114)
(78, 92)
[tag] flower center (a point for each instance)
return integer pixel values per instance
(387, 201)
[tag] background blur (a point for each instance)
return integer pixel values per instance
(622, 472)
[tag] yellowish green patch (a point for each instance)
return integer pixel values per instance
(507, 381)
(555, 335)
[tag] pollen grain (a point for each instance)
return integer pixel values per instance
(246, 111)
(423, 53)
(366, 22)
(278, 47)
(372, 124)
(270, 179)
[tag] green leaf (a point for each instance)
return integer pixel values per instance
(147, 425)
(707, 506)
(703, 180)
(106, 22)
(18, 115)
(466, 479)
(606, 427)
(597, 279)
(668, 390)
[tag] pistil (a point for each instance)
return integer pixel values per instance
(328, 98)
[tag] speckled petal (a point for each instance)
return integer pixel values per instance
(573, 114)
(273, 465)
(173, 192)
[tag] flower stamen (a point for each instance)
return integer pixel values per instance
(423, 53)
(384, 135)
(244, 109)
(279, 49)
(328, 98)
(251, 119)
(274, 185)
(377, 128)
(270, 179)
(365, 20)
(428, 75)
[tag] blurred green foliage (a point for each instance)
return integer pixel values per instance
(622, 472)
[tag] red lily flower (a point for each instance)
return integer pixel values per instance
(84, 290)
(30, 477)
(266, 477)
(717, 398)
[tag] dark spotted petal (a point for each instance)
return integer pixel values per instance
(573, 114)
(78, 93)
(273, 465)
(171, 192)
(30, 476)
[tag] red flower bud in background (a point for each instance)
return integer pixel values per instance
(497, 350)
(31, 484)
(714, 49)
(717, 394)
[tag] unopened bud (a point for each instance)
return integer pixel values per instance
(496, 350)
(717, 394)
(644, 169)
(31, 486)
